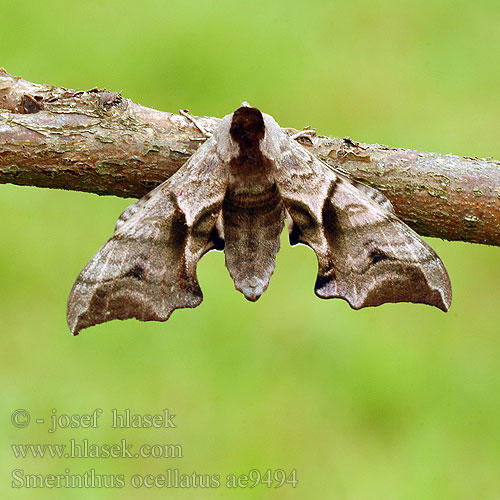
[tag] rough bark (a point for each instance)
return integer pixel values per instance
(100, 142)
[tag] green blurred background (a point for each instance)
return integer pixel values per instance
(396, 402)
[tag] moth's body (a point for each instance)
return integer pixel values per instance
(233, 195)
(252, 211)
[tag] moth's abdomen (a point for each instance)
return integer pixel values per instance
(253, 222)
(252, 196)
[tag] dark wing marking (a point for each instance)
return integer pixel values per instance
(147, 268)
(372, 193)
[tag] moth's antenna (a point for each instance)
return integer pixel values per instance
(192, 119)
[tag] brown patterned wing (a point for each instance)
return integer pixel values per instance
(147, 269)
(366, 255)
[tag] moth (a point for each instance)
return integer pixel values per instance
(234, 194)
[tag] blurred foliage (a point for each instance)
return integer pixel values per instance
(396, 402)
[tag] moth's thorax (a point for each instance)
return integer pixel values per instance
(247, 127)
(251, 173)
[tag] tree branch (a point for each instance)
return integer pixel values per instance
(100, 142)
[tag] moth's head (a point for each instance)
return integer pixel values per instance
(247, 126)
